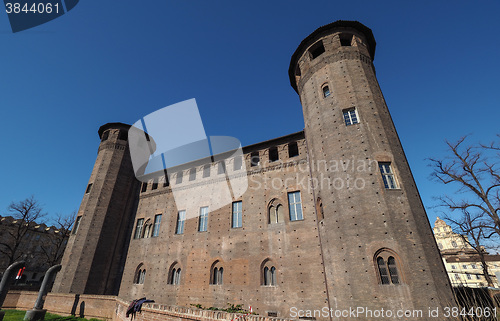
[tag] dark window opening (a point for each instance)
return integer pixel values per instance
(345, 40)
(317, 49)
(206, 170)
(77, 225)
(254, 159)
(293, 149)
(384, 277)
(144, 187)
(192, 174)
(89, 188)
(105, 136)
(155, 186)
(123, 135)
(326, 91)
(273, 154)
(272, 314)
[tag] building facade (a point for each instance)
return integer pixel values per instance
(331, 220)
(39, 245)
(461, 260)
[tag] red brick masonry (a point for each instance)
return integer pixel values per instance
(113, 308)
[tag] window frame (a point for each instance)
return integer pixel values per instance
(295, 205)
(156, 225)
(181, 219)
(238, 214)
(350, 120)
(388, 177)
(203, 219)
(325, 89)
(138, 228)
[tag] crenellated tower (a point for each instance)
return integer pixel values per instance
(377, 243)
(94, 257)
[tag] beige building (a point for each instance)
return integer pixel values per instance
(461, 260)
(41, 247)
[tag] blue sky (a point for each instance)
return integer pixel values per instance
(437, 64)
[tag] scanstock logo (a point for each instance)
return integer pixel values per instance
(171, 144)
(26, 14)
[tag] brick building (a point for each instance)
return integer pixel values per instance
(342, 226)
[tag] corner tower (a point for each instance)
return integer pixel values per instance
(93, 259)
(377, 243)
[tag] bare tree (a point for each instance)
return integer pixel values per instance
(474, 210)
(477, 177)
(472, 233)
(53, 249)
(27, 212)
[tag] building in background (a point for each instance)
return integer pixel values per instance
(41, 247)
(461, 260)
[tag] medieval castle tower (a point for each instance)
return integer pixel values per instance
(345, 229)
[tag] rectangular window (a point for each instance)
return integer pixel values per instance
(192, 174)
(154, 186)
(206, 170)
(203, 221)
(89, 188)
(221, 168)
(295, 206)
(317, 49)
(237, 214)
(178, 179)
(237, 163)
(144, 187)
(156, 226)
(350, 116)
(254, 159)
(181, 218)
(273, 154)
(123, 135)
(293, 149)
(77, 225)
(387, 175)
(138, 228)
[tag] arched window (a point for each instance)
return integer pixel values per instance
(326, 91)
(217, 273)
(174, 276)
(268, 273)
(140, 274)
(275, 212)
(387, 267)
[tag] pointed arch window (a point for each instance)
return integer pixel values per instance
(174, 277)
(217, 273)
(140, 274)
(275, 213)
(268, 273)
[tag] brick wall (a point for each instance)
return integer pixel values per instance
(113, 308)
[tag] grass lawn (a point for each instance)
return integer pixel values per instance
(16, 315)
